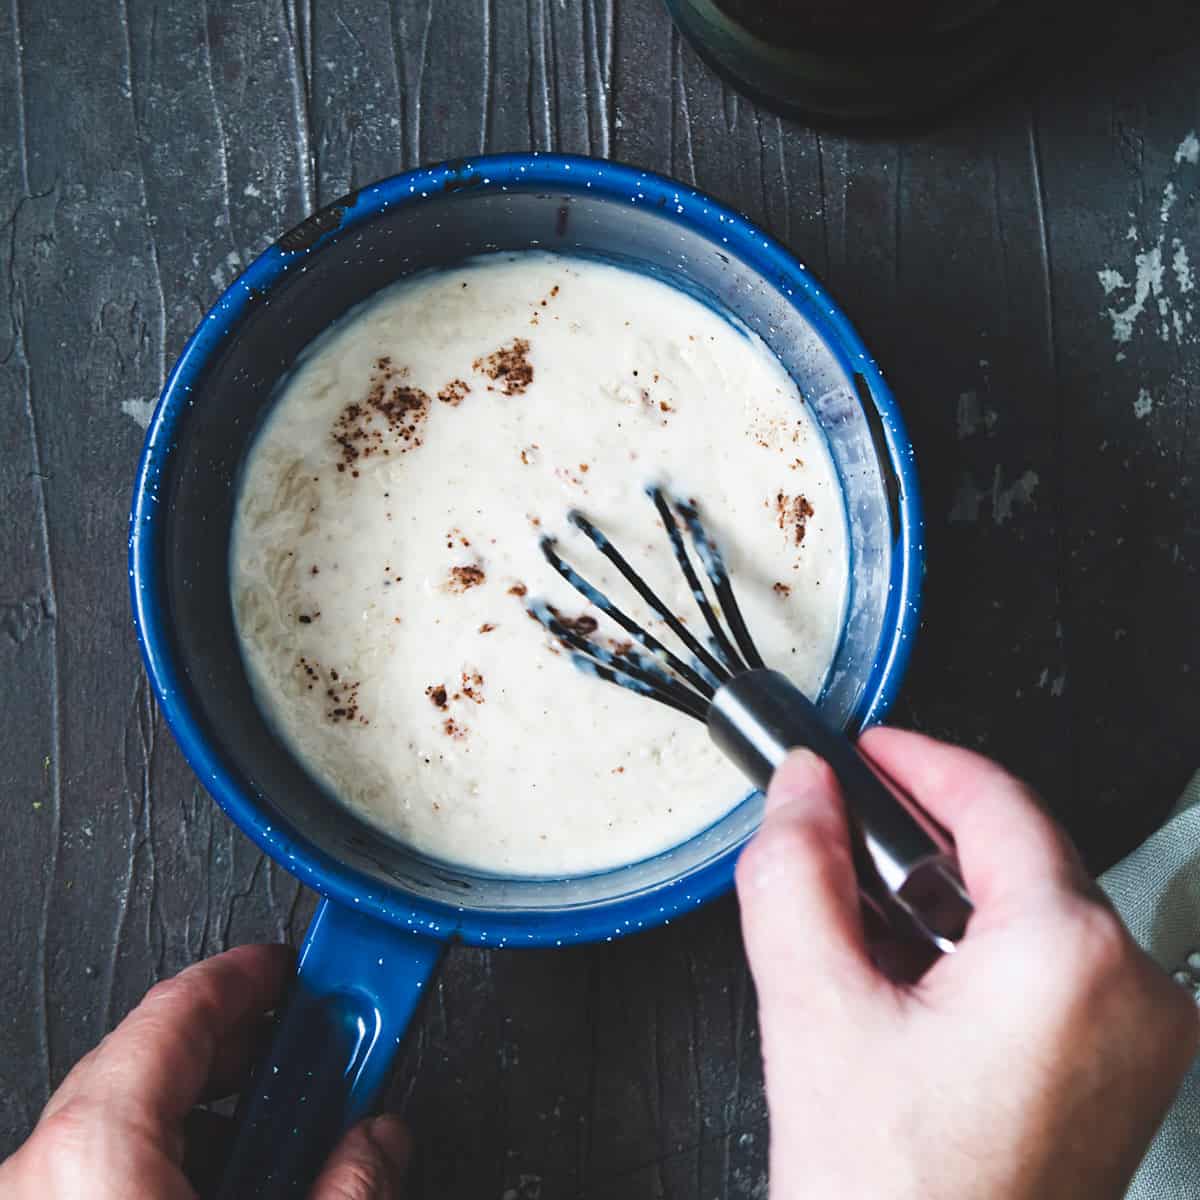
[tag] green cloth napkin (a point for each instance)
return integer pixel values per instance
(1157, 892)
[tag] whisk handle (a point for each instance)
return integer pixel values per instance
(758, 716)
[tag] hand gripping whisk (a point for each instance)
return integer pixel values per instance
(906, 866)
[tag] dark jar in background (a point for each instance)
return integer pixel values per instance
(856, 61)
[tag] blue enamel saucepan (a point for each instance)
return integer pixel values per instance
(387, 914)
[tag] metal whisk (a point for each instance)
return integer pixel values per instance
(905, 860)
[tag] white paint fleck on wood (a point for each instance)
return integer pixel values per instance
(1148, 297)
(969, 499)
(140, 410)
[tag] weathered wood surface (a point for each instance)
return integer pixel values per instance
(148, 150)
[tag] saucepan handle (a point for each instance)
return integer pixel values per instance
(356, 988)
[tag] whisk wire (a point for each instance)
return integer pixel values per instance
(628, 668)
(597, 598)
(721, 642)
(719, 670)
(659, 673)
(714, 566)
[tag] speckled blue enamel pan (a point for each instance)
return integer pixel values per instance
(387, 913)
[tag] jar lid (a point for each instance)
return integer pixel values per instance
(855, 61)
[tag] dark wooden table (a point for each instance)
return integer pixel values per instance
(1023, 271)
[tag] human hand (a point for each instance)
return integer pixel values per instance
(1034, 1063)
(114, 1128)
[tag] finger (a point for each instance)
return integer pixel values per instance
(1008, 846)
(798, 890)
(159, 1059)
(368, 1164)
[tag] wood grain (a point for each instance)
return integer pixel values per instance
(149, 150)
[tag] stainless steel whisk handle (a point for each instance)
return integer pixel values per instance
(759, 716)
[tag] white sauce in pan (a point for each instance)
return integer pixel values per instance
(386, 547)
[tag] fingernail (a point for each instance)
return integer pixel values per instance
(390, 1137)
(796, 775)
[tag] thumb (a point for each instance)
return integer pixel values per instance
(798, 892)
(369, 1163)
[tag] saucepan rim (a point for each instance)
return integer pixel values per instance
(623, 185)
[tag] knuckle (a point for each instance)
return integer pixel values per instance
(66, 1130)
(795, 841)
(1099, 944)
(1120, 986)
(1040, 843)
(1173, 1013)
(743, 879)
(163, 990)
(195, 989)
(775, 849)
(358, 1178)
(750, 864)
(804, 851)
(824, 780)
